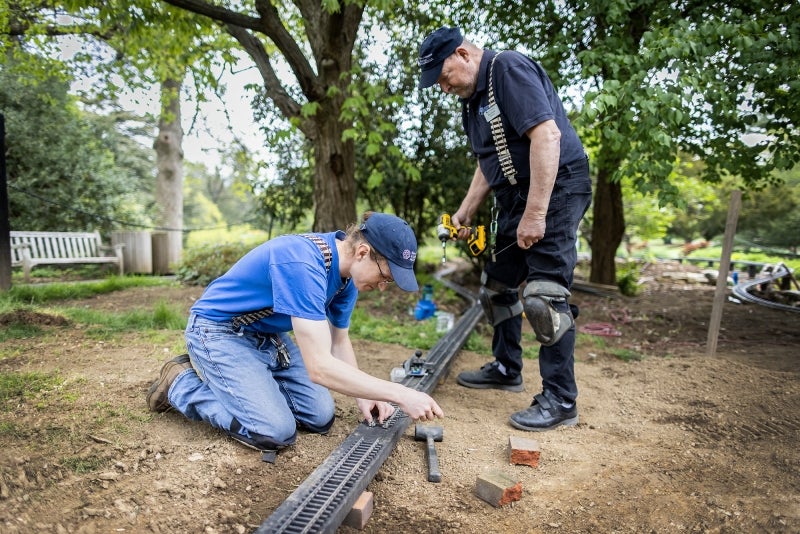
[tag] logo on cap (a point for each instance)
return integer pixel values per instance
(425, 60)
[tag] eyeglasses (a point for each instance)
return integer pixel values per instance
(386, 281)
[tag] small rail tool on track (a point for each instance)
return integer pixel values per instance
(415, 365)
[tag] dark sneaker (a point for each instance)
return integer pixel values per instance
(490, 377)
(545, 413)
(157, 399)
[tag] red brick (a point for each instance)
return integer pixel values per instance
(358, 516)
(523, 451)
(498, 489)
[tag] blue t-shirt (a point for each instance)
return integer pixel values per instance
(526, 97)
(288, 275)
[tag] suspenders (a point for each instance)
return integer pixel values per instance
(253, 316)
(492, 115)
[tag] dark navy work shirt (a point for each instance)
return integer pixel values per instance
(526, 97)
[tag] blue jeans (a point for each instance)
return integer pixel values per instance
(238, 386)
(553, 258)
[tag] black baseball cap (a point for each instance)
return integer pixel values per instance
(437, 47)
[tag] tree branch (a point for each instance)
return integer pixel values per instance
(275, 90)
(272, 27)
(218, 13)
(269, 24)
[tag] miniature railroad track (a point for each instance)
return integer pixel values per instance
(741, 289)
(322, 501)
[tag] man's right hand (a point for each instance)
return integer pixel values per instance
(420, 406)
(461, 222)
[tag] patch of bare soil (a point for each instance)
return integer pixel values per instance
(669, 440)
(28, 317)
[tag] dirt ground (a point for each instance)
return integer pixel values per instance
(669, 440)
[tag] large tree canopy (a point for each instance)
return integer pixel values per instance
(652, 87)
(314, 41)
(716, 81)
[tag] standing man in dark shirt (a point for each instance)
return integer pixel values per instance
(531, 159)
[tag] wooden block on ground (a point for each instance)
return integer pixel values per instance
(523, 451)
(498, 489)
(358, 516)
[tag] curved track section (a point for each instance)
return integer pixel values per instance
(323, 500)
(741, 289)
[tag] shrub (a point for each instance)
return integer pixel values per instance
(628, 279)
(201, 265)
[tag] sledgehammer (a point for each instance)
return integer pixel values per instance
(430, 434)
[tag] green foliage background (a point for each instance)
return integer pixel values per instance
(677, 103)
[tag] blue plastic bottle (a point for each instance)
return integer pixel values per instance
(425, 306)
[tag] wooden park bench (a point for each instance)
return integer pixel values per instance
(29, 249)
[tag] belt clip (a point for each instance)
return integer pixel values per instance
(283, 352)
(493, 229)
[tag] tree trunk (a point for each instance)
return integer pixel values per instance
(323, 77)
(169, 162)
(608, 226)
(334, 186)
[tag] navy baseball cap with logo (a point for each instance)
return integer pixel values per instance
(437, 47)
(394, 239)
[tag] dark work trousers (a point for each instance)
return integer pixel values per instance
(553, 258)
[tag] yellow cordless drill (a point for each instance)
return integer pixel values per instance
(476, 242)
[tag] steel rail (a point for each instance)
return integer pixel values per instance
(323, 500)
(741, 289)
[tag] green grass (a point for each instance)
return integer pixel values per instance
(43, 293)
(19, 331)
(627, 355)
(103, 324)
(26, 385)
(244, 234)
(82, 465)
(100, 324)
(394, 321)
(597, 342)
(759, 257)
(530, 347)
(406, 332)
(9, 428)
(656, 249)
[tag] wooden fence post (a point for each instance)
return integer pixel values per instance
(724, 267)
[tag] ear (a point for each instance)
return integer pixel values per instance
(362, 251)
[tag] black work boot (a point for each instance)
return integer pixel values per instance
(490, 377)
(157, 399)
(545, 413)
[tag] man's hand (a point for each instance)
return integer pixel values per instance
(375, 411)
(420, 406)
(530, 230)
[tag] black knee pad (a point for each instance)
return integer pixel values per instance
(547, 310)
(490, 292)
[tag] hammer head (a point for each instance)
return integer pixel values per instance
(423, 432)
